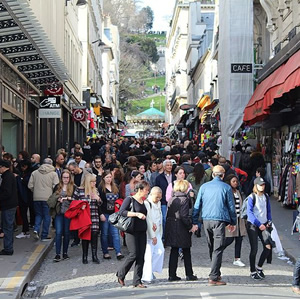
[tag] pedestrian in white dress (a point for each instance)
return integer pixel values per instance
(154, 255)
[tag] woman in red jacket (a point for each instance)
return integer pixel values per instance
(89, 192)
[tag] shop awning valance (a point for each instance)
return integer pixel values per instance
(107, 111)
(282, 80)
(203, 101)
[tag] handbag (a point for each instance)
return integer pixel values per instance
(120, 222)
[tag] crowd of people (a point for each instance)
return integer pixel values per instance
(170, 189)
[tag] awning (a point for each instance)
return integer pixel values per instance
(282, 80)
(211, 105)
(25, 44)
(107, 111)
(203, 101)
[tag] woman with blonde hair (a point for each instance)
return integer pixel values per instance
(89, 192)
(109, 193)
(58, 203)
(178, 230)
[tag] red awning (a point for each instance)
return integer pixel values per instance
(282, 80)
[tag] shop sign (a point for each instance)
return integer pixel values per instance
(50, 102)
(53, 113)
(54, 89)
(241, 68)
(79, 114)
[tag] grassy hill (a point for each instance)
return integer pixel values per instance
(138, 106)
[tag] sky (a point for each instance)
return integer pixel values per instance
(163, 11)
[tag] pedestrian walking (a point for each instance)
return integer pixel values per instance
(154, 255)
(136, 239)
(215, 200)
(109, 193)
(240, 230)
(59, 202)
(258, 225)
(41, 183)
(162, 181)
(8, 206)
(296, 278)
(179, 229)
(89, 192)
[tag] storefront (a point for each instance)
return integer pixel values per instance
(274, 109)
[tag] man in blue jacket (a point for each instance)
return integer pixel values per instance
(216, 203)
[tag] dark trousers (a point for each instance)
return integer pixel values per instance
(253, 233)
(296, 276)
(136, 244)
(7, 224)
(238, 245)
(173, 261)
(215, 235)
(23, 210)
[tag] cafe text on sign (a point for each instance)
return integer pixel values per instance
(241, 68)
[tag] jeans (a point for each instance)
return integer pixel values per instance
(215, 235)
(253, 233)
(62, 228)
(173, 262)
(41, 210)
(164, 217)
(296, 276)
(7, 220)
(136, 244)
(107, 228)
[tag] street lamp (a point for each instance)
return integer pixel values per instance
(100, 42)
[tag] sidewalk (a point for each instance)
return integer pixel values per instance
(19, 269)
(283, 220)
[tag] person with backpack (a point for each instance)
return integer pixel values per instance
(258, 225)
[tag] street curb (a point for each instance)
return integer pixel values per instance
(33, 270)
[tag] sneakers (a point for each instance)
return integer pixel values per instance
(23, 235)
(238, 263)
(47, 239)
(66, 256)
(57, 258)
(36, 235)
(255, 276)
(260, 273)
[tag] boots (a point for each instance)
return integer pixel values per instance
(85, 248)
(94, 243)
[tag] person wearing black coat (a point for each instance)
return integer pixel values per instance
(8, 206)
(163, 181)
(179, 230)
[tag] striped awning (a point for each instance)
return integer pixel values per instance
(26, 45)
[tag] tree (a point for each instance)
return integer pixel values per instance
(146, 45)
(149, 17)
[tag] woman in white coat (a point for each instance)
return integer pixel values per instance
(154, 255)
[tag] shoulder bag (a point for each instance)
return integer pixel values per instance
(120, 222)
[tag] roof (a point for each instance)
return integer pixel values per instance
(151, 112)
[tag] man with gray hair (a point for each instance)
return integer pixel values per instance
(216, 203)
(41, 183)
(162, 181)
